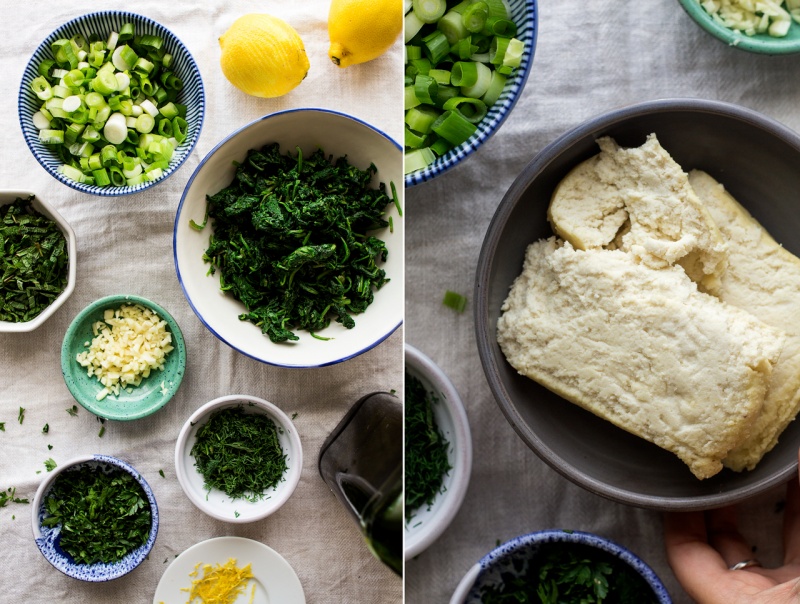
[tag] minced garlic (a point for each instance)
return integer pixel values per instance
(128, 344)
(752, 17)
(220, 584)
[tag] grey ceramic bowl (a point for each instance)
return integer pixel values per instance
(510, 557)
(757, 160)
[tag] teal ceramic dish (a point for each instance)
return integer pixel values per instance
(759, 43)
(137, 401)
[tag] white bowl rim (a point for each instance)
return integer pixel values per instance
(180, 208)
(544, 536)
(100, 458)
(125, 190)
(72, 251)
(417, 541)
(281, 493)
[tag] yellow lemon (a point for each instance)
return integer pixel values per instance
(263, 56)
(361, 30)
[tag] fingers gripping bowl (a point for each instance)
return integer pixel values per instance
(753, 157)
(299, 133)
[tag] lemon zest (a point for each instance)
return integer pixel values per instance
(220, 584)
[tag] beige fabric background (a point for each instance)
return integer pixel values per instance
(591, 57)
(125, 246)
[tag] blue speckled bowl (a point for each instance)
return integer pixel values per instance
(192, 95)
(47, 538)
(500, 560)
(152, 394)
(525, 15)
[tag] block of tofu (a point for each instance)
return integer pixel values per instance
(639, 347)
(762, 278)
(639, 200)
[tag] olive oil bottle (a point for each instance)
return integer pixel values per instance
(362, 463)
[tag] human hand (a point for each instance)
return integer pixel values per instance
(702, 548)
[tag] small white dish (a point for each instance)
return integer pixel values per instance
(273, 577)
(216, 503)
(429, 522)
(309, 129)
(7, 197)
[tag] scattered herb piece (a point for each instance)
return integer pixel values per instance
(34, 262)
(50, 464)
(2, 426)
(568, 574)
(102, 431)
(73, 411)
(239, 453)
(291, 240)
(454, 300)
(294, 415)
(10, 496)
(49, 447)
(235, 514)
(161, 472)
(103, 513)
(45, 428)
(426, 461)
(21, 415)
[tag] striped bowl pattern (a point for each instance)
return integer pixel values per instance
(102, 23)
(526, 16)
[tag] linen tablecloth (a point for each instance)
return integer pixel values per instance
(591, 57)
(125, 246)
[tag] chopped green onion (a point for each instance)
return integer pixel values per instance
(429, 11)
(414, 140)
(454, 300)
(478, 88)
(411, 26)
(472, 109)
(436, 47)
(453, 127)
(452, 27)
(425, 88)
(464, 73)
(418, 159)
(475, 16)
(420, 119)
(41, 88)
(495, 88)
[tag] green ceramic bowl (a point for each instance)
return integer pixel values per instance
(759, 43)
(153, 393)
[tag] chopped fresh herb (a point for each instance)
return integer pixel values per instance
(21, 415)
(239, 453)
(235, 514)
(73, 411)
(294, 415)
(49, 447)
(291, 240)
(103, 513)
(102, 431)
(50, 464)
(568, 574)
(161, 472)
(2, 426)
(34, 262)
(455, 301)
(10, 496)
(45, 428)
(426, 461)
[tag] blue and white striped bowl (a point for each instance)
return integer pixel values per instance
(102, 23)
(526, 17)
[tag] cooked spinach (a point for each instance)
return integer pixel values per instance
(291, 240)
(34, 261)
(239, 453)
(103, 514)
(426, 461)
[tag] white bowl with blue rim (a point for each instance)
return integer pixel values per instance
(515, 557)
(48, 537)
(429, 522)
(338, 135)
(525, 15)
(192, 94)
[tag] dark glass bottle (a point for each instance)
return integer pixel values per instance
(362, 463)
